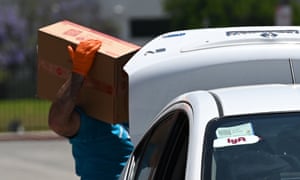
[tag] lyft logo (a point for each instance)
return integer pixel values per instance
(236, 140)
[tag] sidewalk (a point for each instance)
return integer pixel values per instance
(34, 135)
(35, 155)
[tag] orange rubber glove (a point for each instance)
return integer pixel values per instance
(83, 56)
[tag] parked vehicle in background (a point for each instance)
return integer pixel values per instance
(219, 104)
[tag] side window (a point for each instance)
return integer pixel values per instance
(162, 152)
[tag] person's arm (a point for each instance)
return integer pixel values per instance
(62, 118)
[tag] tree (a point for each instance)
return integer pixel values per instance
(221, 13)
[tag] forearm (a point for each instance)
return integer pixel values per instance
(62, 117)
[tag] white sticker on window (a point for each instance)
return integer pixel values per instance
(233, 141)
(235, 131)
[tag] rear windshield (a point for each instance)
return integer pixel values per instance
(256, 147)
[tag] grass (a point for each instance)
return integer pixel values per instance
(31, 113)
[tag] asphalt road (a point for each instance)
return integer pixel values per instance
(36, 160)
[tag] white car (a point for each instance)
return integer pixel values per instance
(216, 104)
(242, 133)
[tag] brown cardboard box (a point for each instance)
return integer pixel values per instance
(105, 91)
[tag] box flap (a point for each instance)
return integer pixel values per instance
(75, 33)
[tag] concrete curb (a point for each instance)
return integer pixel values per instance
(33, 135)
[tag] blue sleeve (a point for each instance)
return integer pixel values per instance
(100, 150)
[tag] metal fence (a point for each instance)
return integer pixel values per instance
(20, 108)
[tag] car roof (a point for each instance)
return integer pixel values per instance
(258, 99)
(243, 100)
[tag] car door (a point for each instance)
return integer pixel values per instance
(162, 152)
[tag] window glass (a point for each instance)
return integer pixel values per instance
(148, 155)
(173, 162)
(255, 147)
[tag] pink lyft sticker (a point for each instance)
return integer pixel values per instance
(233, 141)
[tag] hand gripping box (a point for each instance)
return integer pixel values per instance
(105, 91)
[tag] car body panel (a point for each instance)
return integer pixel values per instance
(183, 61)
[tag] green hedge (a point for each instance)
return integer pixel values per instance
(32, 114)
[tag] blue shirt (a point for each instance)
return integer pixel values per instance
(100, 150)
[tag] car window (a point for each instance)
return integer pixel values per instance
(254, 147)
(162, 150)
(173, 162)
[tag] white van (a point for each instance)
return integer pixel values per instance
(217, 104)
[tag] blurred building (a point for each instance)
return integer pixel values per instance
(136, 21)
(283, 15)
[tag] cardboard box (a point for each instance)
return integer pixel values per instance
(105, 91)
